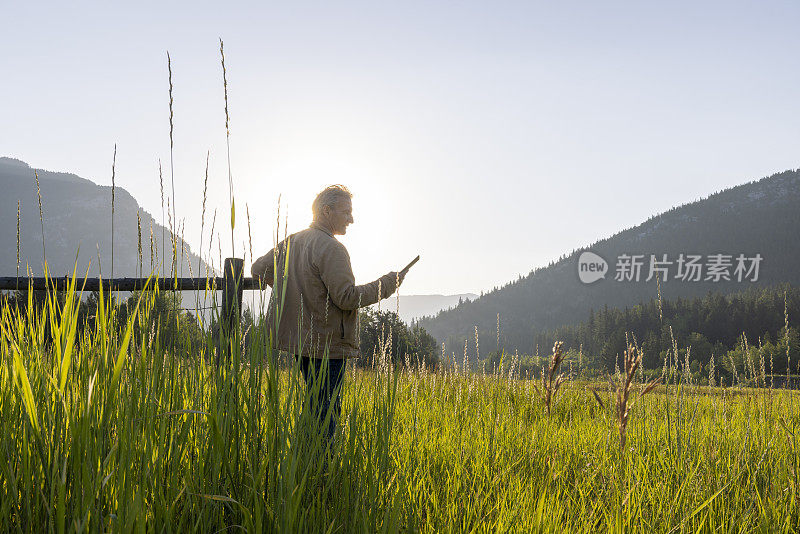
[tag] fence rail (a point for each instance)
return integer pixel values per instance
(231, 285)
(41, 283)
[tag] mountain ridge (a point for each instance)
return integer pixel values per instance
(757, 217)
(77, 227)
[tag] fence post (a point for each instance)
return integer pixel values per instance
(232, 291)
(231, 298)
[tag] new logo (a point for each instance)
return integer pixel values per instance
(591, 267)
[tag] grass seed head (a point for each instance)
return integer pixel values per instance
(19, 207)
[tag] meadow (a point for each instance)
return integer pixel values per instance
(105, 427)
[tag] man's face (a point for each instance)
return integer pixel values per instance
(340, 215)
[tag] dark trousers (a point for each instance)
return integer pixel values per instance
(329, 389)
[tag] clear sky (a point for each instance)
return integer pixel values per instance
(489, 137)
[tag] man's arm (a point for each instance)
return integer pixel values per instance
(337, 275)
(264, 268)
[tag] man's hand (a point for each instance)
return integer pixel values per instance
(402, 274)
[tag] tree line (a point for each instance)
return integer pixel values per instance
(738, 330)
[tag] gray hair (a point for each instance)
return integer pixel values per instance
(328, 197)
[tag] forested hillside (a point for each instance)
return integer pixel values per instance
(760, 219)
(709, 325)
(77, 225)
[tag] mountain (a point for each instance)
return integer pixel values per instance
(77, 224)
(760, 219)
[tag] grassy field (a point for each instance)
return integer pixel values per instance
(104, 428)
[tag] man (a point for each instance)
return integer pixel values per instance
(313, 311)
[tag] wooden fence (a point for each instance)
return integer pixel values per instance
(232, 284)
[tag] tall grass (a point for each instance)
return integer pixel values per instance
(41, 216)
(113, 191)
(228, 142)
(102, 427)
(19, 235)
(172, 167)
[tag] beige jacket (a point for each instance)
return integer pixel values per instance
(320, 299)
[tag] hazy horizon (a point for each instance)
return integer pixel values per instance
(488, 139)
